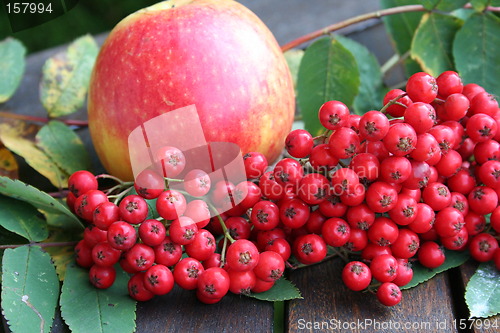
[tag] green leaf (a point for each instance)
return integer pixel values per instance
(444, 5)
(41, 200)
(63, 146)
(282, 290)
(293, 58)
(88, 309)
(422, 274)
(62, 256)
(66, 77)
(482, 293)
(401, 28)
(30, 289)
(437, 30)
(371, 88)
(328, 71)
(479, 5)
(18, 138)
(12, 65)
(21, 218)
(476, 50)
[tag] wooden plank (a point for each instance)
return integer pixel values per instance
(329, 305)
(180, 311)
(477, 325)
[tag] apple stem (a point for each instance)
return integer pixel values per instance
(70, 122)
(361, 18)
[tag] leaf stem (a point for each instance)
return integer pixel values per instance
(42, 245)
(70, 122)
(351, 21)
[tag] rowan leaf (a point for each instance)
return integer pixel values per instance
(12, 63)
(21, 218)
(482, 293)
(30, 289)
(282, 290)
(66, 77)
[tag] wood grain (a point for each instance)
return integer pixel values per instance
(180, 311)
(328, 302)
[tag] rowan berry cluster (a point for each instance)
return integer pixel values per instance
(382, 189)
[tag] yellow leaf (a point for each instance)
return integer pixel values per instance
(8, 164)
(18, 137)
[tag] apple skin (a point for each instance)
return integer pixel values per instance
(215, 54)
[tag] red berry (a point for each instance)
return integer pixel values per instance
(406, 245)
(183, 230)
(396, 110)
(401, 139)
(449, 82)
(265, 215)
(171, 204)
(310, 249)
(86, 203)
(81, 182)
(294, 213)
(255, 164)
(381, 197)
(404, 274)
(102, 277)
(199, 212)
(187, 272)
(171, 160)
(422, 87)
(356, 275)
(373, 126)
(270, 266)
(197, 183)
(299, 143)
(383, 232)
(214, 283)
(83, 254)
(384, 268)
(430, 255)
(152, 232)
(203, 245)
(121, 235)
(241, 282)
(105, 214)
(167, 253)
(140, 256)
(344, 143)
(333, 115)
(482, 247)
(136, 288)
(149, 184)
(242, 255)
(389, 294)
(421, 116)
(482, 200)
(105, 255)
(133, 209)
(280, 246)
(159, 280)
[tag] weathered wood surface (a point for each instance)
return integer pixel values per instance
(430, 307)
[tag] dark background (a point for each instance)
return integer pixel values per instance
(287, 19)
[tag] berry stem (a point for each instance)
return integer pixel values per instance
(222, 224)
(48, 244)
(338, 252)
(70, 122)
(119, 196)
(393, 101)
(106, 176)
(59, 194)
(351, 21)
(361, 18)
(223, 253)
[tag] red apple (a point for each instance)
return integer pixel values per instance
(215, 54)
